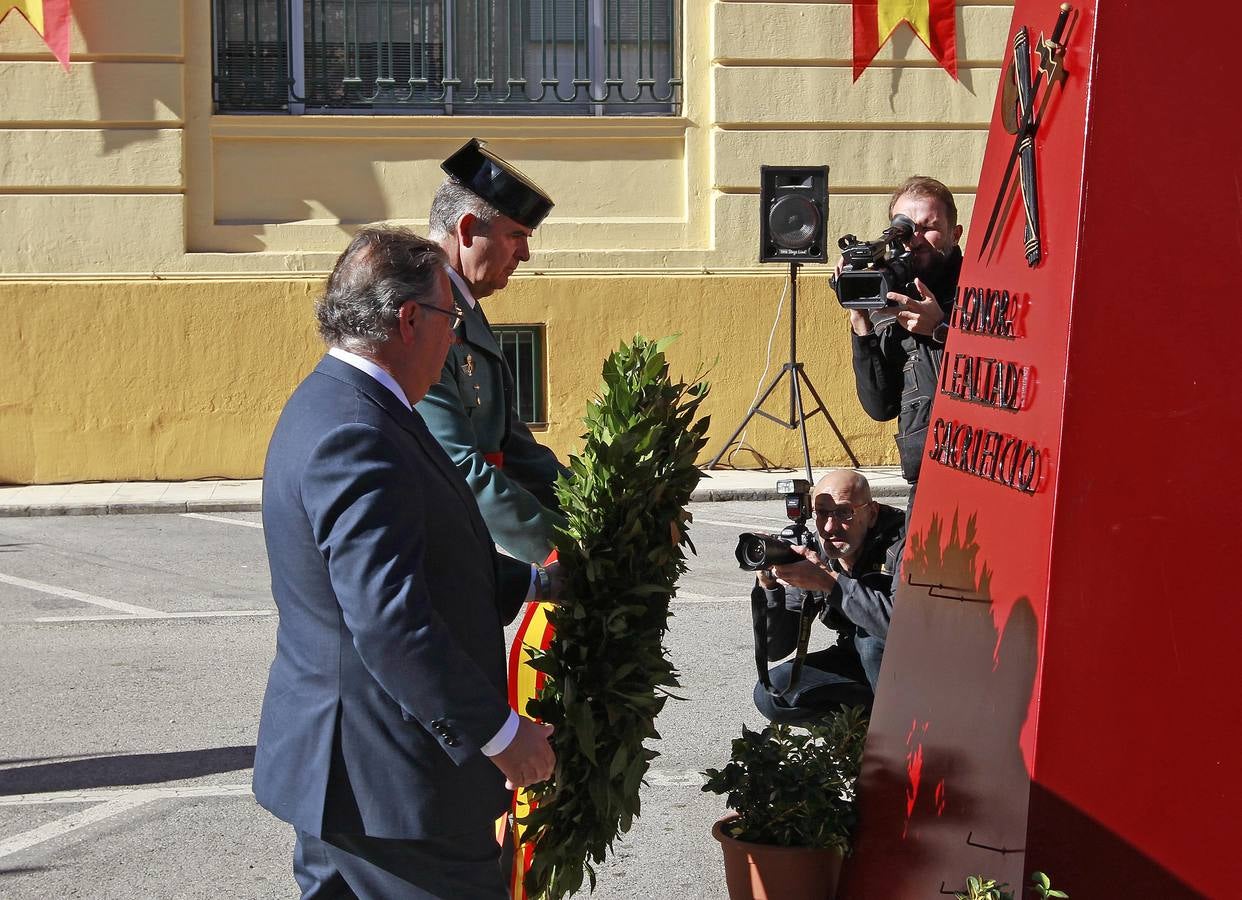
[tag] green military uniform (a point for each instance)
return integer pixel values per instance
(471, 411)
(472, 414)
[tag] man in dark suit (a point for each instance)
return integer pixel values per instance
(483, 216)
(385, 737)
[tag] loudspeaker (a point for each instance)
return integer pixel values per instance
(793, 213)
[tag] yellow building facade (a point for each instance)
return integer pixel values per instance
(158, 261)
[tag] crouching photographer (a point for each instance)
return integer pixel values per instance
(847, 583)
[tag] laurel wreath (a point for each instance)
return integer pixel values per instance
(621, 553)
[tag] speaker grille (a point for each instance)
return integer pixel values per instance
(794, 222)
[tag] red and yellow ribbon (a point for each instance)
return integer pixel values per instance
(48, 17)
(535, 633)
(934, 21)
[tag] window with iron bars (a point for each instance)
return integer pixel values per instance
(522, 346)
(476, 57)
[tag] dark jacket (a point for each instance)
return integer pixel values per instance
(390, 660)
(471, 412)
(896, 372)
(862, 602)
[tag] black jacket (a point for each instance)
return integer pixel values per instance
(862, 601)
(896, 372)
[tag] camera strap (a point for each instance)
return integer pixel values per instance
(812, 602)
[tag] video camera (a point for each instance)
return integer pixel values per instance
(871, 269)
(757, 551)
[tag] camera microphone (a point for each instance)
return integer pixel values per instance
(901, 229)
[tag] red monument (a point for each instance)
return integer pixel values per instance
(1062, 688)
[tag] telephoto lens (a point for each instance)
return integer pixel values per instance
(761, 551)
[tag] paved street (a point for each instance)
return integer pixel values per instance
(134, 651)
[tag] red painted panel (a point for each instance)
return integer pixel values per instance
(1069, 632)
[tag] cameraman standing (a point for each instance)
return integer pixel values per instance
(897, 365)
(859, 538)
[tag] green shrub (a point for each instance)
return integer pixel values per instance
(794, 787)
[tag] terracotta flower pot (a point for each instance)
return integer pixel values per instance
(768, 872)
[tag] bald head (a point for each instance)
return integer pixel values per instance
(844, 513)
(845, 485)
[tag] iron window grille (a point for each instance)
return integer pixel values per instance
(533, 57)
(522, 346)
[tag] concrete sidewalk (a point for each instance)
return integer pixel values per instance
(137, 497)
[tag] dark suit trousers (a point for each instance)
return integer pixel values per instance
(346, 866)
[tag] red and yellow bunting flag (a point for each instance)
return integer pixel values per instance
(48, 17)
(934, 21)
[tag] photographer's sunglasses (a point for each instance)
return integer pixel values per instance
(842, 513)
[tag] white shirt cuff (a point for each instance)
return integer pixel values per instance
(503, 738)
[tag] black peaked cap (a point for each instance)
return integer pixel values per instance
(492, 179)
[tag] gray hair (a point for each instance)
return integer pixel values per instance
(381, 269)
(452, 201)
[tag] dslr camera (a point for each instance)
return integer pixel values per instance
(871, 269)
(761, 551)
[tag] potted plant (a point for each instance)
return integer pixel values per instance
(791, 791)
(981, 887)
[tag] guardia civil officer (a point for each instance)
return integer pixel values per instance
(483, 216)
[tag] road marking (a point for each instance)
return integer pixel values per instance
(105, 795)
(688, 597)
(225, 519)
(743, 525)
(110, 802)
(72, 822)
(78, 595)
(763, 518)
(674, 778)
(207, 614)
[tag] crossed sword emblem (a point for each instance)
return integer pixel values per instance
(1018, 115)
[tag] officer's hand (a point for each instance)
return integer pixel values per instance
(529, 757)
(918, 316)
(557, 580)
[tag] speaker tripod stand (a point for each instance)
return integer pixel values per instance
(798, 415)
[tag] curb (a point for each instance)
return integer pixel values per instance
(884, 487)
(136, 508)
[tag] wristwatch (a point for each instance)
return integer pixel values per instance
(940, 334)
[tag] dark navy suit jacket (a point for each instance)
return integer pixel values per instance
(390, 664)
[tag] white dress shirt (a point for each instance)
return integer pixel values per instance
(462, 287)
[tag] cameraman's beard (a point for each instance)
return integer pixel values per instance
(835, 551)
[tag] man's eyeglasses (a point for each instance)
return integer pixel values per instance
(843, 513)
(453, 312)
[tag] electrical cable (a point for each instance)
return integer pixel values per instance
(767, 364)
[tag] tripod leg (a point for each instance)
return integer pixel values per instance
(801, 420)
(750, 415)
(827, 415)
